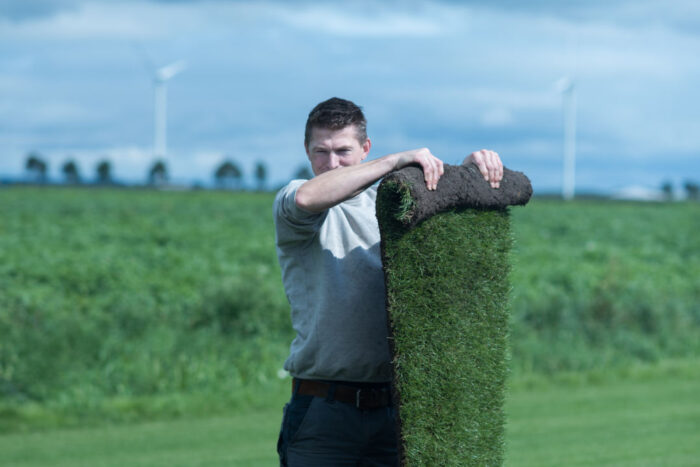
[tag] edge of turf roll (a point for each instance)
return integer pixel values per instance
(445, 260)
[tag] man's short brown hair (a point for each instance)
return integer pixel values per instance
(336, 114)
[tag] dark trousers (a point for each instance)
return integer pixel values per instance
(324, 432)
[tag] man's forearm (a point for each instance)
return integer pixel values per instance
(335, 186)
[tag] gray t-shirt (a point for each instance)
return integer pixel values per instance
(332, 274)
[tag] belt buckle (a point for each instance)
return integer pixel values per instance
(364, 395)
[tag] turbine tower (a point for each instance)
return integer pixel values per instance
(160, 81)
(567, 88)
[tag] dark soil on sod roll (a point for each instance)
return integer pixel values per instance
(459, 186)
(445, 258)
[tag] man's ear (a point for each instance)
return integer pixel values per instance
(365, 148)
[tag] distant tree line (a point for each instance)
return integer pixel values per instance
(228, 174)
(692, 190)
(36, 167)
(37, 170)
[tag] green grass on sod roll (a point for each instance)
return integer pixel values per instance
(447, 291)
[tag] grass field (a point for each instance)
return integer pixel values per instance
(649, 416)
(122, 307)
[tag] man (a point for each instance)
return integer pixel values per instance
(327, 240)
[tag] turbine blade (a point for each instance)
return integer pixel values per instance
(168, 71)
(145, 57)
(563, 84)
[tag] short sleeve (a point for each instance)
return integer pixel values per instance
(292, 222)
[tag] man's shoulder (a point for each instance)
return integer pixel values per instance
(289, 216)
(287, 192)
(291, 186)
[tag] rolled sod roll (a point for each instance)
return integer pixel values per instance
(445, 259)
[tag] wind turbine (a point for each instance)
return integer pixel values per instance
(160, 81)
(567, 87)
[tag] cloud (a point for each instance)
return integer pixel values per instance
(497, 117)
(18, 10)
(369, 19)
(680, 15)
(50, 112)
(91, 21)
(74, 19)
(356, 22)
(454, 76)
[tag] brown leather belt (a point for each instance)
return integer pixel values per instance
(363, 398)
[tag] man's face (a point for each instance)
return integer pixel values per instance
(330, 149)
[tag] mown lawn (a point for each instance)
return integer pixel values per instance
(647, 420)
(649, 417)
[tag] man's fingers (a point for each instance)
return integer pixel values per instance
(493, 170)
(496, 171)
(432, 168)
(432, 175)
(478, 159)
(427, 173)
(489, 164)
(438, 170)
(492, 163)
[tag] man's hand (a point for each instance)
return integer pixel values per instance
(431, 165)
(489, 164)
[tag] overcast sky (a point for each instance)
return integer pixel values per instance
(453, 76)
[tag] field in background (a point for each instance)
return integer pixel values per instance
(648, 416)
(599, 284)
(122, 305)
(127, 304)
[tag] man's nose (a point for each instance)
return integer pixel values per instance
(333, 161)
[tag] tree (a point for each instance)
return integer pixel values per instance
(70, 172)
(36, 167)
(667, 190)
(692, 190)
(228, 175)
(260, 175)
(158, 175)
(104, 172)
(304, 172)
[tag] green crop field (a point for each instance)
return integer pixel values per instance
(126, 305)
(600, 284)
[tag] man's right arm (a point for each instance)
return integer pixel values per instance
(335, 186)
